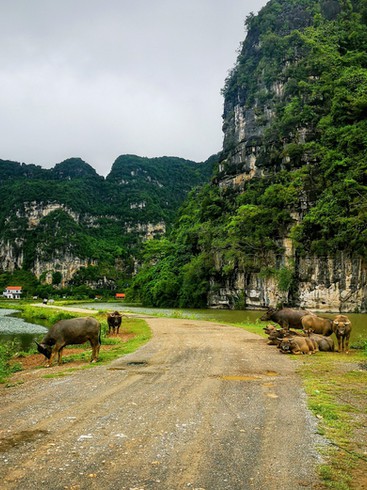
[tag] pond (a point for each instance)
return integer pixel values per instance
(359, 320)
(13, 328)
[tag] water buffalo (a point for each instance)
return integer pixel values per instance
(114, 322)
(319, 325)
(325, 344)
(276, 335)
(285, 317)
(342, 328)
(67, 332)
(298, 345)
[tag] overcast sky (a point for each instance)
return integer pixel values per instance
(99, 78)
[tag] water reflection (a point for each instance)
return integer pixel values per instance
(16, 329)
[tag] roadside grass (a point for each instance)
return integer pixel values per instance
(7, 368)
(336, 388)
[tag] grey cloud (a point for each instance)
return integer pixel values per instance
(96, 79)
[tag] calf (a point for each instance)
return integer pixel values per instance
(298, 345)
(114, 322)
(67, 332)
(342, 328)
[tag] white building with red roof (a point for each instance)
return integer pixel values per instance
(13, 292)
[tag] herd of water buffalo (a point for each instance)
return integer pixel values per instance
(313, 332)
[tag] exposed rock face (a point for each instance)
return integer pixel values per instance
(333, 284)
(147, 231)
(11, 256)
(65, 264)
(253, 96)
(35, 211)
(63, 261)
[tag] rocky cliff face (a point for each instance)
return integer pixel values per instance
(61, 260)
(336, 283)
(260, 94)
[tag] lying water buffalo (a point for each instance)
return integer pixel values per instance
(342, 328)
(67, 332)
(276, 335)
(114, 322)
(285, 317)
(298, 345)
(325, 344)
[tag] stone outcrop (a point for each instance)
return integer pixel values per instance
(333, 284)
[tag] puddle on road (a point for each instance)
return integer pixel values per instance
(271, 373)
(239, 378)
(21, 438)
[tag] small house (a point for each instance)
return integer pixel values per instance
(13, 292)
(120, 295)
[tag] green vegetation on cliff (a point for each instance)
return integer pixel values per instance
(71, 214)
(301, 78)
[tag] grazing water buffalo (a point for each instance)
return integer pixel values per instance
(67, 332)
(114, 322)
(342, 328)
(285, 317)
(319, 325)
(298, 345)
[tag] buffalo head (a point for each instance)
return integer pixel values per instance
(44, 349)
(267, 316)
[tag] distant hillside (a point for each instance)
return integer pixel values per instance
(69, 226)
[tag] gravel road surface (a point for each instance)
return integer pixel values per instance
(201, 406)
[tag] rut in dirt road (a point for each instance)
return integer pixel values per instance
(201, 406)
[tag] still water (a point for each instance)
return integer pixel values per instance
(13, 328)
(359, 320)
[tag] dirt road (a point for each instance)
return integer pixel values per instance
(201, 406)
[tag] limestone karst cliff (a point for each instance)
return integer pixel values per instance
(69, 226)
(284, 219)
(293, 143)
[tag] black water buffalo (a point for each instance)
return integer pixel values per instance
(285, 317)
(67, 332)
(342, 328)
(114, 322)
(319, 325)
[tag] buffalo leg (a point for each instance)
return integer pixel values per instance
(95, 352)
(347, 344)
(59, 356)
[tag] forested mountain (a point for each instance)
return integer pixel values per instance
(285, 218)
(68, 226)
